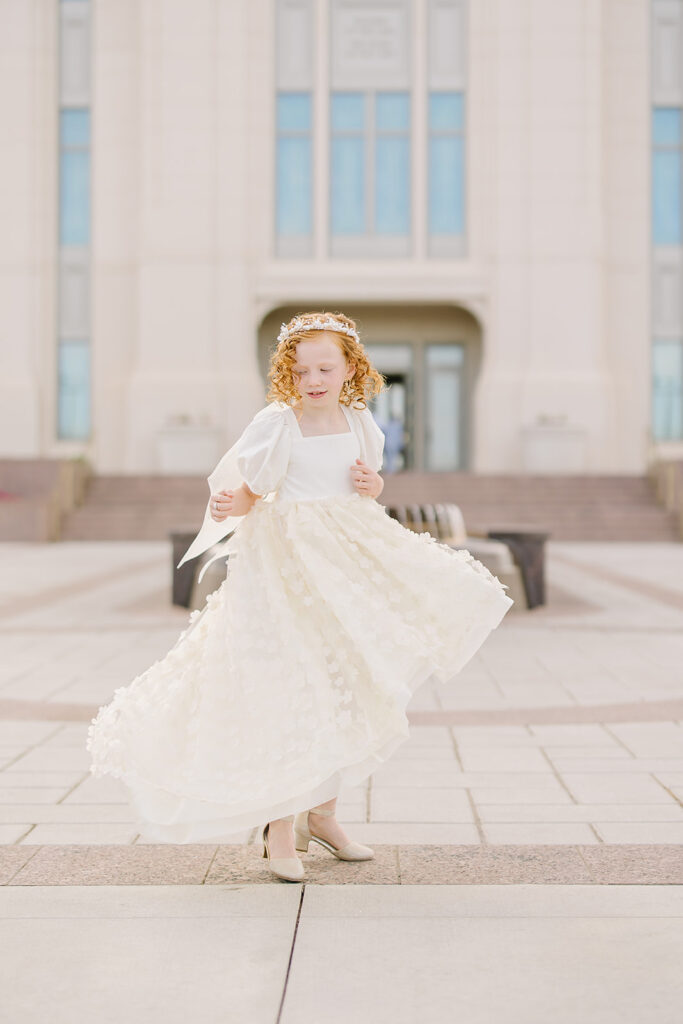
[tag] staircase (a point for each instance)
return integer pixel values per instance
(609, 507)
(587, 507)
(138, 508)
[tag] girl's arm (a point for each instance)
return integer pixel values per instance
(366, 480)
(232, 503)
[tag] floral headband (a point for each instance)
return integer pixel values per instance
(330, 324)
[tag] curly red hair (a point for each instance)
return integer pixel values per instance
(365, 383)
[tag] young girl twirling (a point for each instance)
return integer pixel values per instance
(295, 677)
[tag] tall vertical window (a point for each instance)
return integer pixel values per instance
(446, 177)
(73, 379)
(667, 389)
(73, 374)
(370, 178)
(666, 213)
(74, 177)
(666, 176)
(445, 127)
(392, 163)
(348, 193)
(667, 239)
(293, 216)
(294, 176)
(369, 127)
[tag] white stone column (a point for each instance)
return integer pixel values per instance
(559, 244)
(172, 216)
(28, 214)
(626, 154)
(116, 195)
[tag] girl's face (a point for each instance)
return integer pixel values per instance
(320, 371)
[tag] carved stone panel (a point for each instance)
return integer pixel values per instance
(369, 44)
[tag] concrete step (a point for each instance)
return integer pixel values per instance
(124, 523)
(586, 507)
(404, 485)
(103, 489)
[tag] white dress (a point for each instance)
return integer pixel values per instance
(295, 676)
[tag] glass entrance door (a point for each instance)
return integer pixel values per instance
(444, 413)
(423, 411)
(393, 409)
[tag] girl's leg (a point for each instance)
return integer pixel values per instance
(327, 826)
(281, 838)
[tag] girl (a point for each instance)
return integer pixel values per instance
(295, 676)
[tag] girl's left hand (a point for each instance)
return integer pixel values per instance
(366, 480)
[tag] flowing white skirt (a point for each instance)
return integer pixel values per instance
(295, 676)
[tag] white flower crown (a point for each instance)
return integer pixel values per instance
(330, 324)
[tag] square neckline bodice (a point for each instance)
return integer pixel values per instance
(310, 437)
(322, 470)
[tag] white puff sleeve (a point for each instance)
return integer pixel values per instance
(374, 439)
(262, 451)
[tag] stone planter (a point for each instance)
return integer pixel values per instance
(553, 448)
(188, 448)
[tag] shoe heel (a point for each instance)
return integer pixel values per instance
(301, 841)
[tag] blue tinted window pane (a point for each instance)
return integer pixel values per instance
(74, 126)
(666, 126)
(667, 390)
(392, 186)
(446, 177)
(294, 191)
(392, 112)
(444, 407)
(446, 111)
(666, 198)
(294, 112)
(347, 177)
(347, 112)
(73, 395)
(74, 197)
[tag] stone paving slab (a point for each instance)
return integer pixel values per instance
(622, 813)
(204, 864)
(484, 959)
(160, 954)
(599, 954)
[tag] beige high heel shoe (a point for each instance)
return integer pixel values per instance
(289, 868)
(303, 835)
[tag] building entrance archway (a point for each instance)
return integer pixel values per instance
(430, 357)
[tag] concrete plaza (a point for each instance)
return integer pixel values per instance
(528, 837)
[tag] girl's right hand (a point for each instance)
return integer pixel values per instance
(231, 503)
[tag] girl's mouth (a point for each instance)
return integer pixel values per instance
(316, 394)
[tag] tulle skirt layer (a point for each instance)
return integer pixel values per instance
(294, 678)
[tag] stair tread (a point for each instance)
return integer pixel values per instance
(609, 506)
